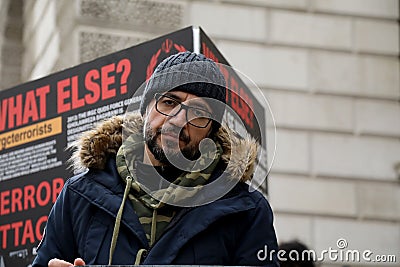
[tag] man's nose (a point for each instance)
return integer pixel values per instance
(179, 119)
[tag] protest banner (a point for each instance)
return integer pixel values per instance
(41, 118)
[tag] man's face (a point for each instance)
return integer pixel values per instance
(171, 137)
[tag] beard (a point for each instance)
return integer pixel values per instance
(170, 152)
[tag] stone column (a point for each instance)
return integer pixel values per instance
(11, 48)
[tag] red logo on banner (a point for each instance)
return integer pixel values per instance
(180, 48)
(152, 64)
(166, 47)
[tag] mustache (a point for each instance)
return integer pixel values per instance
(174, 131)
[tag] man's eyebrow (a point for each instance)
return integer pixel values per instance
(172, 95)
(198, 103)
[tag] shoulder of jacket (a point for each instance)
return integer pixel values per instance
(258, 198)
(81, 180)
(77, 178)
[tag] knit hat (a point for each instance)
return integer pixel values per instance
(192, 73)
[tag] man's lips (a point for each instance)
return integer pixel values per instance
(170, 136)
(173, 134)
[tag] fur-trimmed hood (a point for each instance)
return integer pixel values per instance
(94, 147)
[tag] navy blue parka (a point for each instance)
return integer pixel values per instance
(236, 229)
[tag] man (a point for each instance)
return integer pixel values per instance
(154, 192)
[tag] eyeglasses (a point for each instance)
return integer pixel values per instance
(170, 107)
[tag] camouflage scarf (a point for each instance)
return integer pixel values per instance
(155, 215)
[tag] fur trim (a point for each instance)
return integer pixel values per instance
(95, 146)
(238, 153)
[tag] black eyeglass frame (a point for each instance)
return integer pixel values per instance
(158, 96)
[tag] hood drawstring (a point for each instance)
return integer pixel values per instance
(118, 223)
(142, 252)
(118, 219)
(153, 228)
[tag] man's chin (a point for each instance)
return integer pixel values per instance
(175, 156)
(171, 153)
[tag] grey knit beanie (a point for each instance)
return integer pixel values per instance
(188, 72)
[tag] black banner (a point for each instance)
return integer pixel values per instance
(40, 119)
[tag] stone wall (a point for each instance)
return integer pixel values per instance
(63, 33)
(11, 47)
(330, 70)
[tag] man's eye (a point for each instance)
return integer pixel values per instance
(169, 102)
(200, 113)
